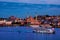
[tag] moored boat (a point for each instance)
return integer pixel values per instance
(34, 26)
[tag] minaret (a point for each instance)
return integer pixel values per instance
(36, 17)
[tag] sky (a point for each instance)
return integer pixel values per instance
(35, 1)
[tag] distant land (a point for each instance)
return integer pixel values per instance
(22, 10)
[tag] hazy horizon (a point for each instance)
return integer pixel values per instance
(35, 1)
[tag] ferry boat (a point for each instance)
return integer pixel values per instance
(44, 30)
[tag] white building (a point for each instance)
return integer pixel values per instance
(2, 21)
(8, 22)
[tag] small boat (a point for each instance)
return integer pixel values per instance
(44, 30)
(34, 26)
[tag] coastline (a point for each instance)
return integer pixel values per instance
(39, 20)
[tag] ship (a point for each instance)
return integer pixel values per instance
(48, 30)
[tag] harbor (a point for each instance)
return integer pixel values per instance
(29, 20)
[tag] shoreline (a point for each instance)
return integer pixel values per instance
(21, 26)
(46, 20)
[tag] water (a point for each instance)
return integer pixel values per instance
(22, 10)
(25, 33)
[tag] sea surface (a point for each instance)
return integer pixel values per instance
(21, 10)
(25, 33)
